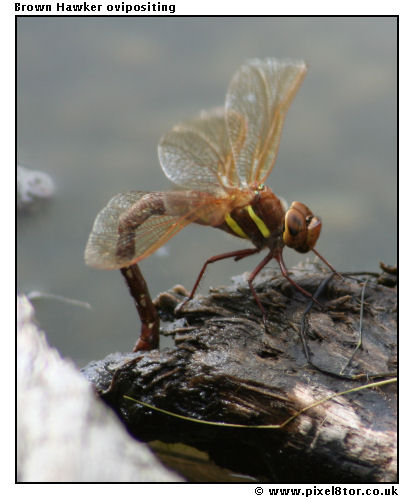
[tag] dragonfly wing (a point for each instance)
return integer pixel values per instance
(260, 94)
(112, 246)
(197, 154)
(104, 243)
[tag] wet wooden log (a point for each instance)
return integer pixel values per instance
(226, 367)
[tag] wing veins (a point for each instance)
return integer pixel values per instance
(214, 149)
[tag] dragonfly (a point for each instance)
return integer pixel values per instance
(219, 162)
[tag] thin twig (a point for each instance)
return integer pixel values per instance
(308, 353)
(266, 426)
(359, 343)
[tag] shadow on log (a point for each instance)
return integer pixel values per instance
(226, 367)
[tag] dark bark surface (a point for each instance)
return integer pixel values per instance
(226, 367)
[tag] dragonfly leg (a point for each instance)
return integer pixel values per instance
(237, 255)
(327, 263)
(251, 278)
(284, 272)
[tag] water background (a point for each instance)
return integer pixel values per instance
(95, 94)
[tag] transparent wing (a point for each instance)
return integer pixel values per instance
(108, 249)
(260, 94)
(197, 154)
(103, 248)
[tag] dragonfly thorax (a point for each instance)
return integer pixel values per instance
(261, 220)
(265, 222)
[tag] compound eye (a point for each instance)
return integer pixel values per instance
(294, 230)
(302, 228)
(294, 224)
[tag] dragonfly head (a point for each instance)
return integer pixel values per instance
(301, 228)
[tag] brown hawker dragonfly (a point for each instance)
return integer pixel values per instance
(220, 160)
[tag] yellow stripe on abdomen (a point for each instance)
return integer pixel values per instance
(260, 224)
(236, 228)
